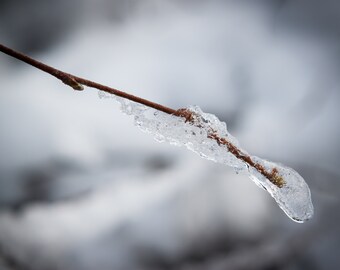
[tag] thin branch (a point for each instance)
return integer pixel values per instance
(77, 84)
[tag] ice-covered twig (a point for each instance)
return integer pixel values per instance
(205, 135)
(273, 175)
(202, 133)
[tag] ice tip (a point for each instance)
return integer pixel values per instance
(308, 214)
(299, 220)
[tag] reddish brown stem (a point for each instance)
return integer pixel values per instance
(273, 175)
(77, 84)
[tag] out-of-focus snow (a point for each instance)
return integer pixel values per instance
(126, 194)
(173, 206)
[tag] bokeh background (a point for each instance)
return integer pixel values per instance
(82, 188)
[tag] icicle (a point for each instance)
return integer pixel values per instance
(205, 135)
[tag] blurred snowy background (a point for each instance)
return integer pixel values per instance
(82, 188)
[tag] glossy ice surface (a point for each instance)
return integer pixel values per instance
(293, 197)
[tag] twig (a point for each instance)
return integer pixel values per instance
(77, 84)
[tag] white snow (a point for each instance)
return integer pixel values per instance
(293, 197)
(267, 84)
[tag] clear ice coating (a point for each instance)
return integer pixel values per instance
(293, 197)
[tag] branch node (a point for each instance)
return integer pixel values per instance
(185, 113)
(68, 79)
(72, 83)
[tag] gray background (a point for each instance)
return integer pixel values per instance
(82, 188)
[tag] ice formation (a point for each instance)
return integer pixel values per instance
(205, 135)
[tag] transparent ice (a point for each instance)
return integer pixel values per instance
(294, 197)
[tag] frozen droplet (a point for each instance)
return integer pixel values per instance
(293, 197)
(207, 136)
